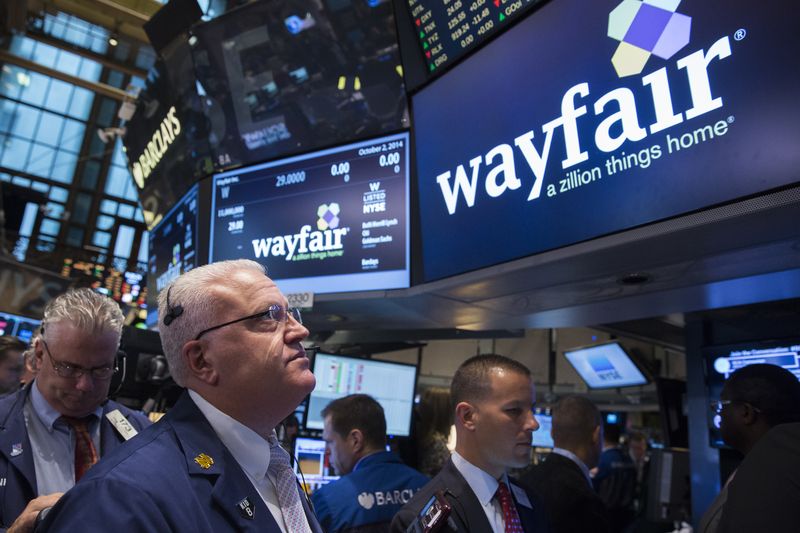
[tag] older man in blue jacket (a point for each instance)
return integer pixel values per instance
(212, 463)
(57, 427)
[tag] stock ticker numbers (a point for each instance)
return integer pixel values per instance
(449, 28)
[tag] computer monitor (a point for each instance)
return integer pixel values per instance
(312, 465)
(605, 366)
(722, 361)
(19, 326)
(336, 220)
(173, 249)
(542, 438)
(391, 384)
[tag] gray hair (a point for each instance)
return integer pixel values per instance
(191, 292)
(86, 310)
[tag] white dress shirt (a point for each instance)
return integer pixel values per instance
(484, 486)
(249, 449)
(53, 443)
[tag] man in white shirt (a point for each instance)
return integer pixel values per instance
(213, 462)
(493, 398)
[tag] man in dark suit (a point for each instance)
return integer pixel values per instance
(563, 478)
(65, 410)
(493, 398)
(759, 408)
(213, 462)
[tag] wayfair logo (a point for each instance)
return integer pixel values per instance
(645, 28)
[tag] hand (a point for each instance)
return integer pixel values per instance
(25, 521)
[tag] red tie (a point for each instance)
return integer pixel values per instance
(85, 454)
(510, 516)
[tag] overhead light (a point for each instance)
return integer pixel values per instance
(113, 41)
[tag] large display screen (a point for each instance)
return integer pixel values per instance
(588, 118)
(18, 326)
(329, 221)
(722, 361)
(391, 384)
(289, 76)
(173, 249)
(447, 29)
(605, 366)
(168, 140)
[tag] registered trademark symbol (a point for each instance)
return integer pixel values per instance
(396, 169)
(346, 178)
(740, 34)
(731, 119)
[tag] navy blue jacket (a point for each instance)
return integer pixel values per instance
(17, 471)
(174, 476)
(370, 495)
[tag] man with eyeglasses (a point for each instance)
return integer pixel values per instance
(758, 402)
(56, 427)
(213, 462)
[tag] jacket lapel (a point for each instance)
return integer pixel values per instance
(15, 444)
(466, 506)
(208, 461)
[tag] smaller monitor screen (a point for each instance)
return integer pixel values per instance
(313, 462)
(722, 361)
(605, 366)
(330, 221)
(18, 326)
(391, 384)
(173, 249)
(542, 437)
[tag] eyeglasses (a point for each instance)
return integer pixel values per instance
(67, 370)
(276, 312)
(718, 405)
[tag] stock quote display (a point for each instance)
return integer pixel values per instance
(334, 220)
(447, 29)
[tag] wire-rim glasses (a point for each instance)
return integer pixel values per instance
(67, 370)
(275, 312)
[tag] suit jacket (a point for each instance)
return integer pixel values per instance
(765, 493)
(17, 470)
(467, 513)
(570, 501)
(175, 476)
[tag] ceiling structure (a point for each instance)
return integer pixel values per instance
(745, 252)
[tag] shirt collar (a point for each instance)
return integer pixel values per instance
(575, 459)
(46, 413)
(482, 484)
(249, 449)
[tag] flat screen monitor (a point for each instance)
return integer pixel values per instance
(542, 438)
(722, 361)
(288, 76)
(648, 111)
(173, 249)
(335, 220)
(447, 30)
(605, 366)
(18, 326)
(391, 384)
(312, 464)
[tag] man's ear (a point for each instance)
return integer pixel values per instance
(356, 440)
(200, 367)
(38, 354)
(749, 414)
(597, 434)
(466, 415)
